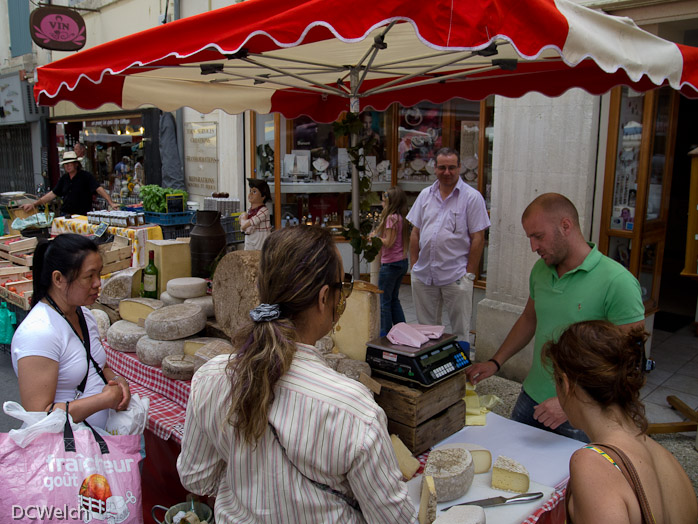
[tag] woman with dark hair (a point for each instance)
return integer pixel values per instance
(271, 430)
(623, 475)
(56, 351)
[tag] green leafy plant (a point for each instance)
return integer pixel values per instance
(155, 197)
(365, 247)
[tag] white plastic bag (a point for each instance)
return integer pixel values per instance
(36, 423)
(132, 420)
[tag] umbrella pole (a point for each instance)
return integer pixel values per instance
(355, 205)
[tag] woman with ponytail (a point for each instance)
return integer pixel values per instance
(56, 351)
(623, 475)
(271, 431)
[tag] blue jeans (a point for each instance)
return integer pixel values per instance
(389, 280)
(523, 412)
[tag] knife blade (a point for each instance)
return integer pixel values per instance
(499, 501)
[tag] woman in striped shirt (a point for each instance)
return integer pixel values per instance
(271, 431)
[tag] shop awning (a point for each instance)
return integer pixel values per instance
(322, 57)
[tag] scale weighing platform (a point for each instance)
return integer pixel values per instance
(428, 364)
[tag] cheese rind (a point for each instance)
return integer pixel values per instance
(482, 457)
(168, 300)
(509, 475)
(210, 350)
(137, 309)
(463, 515)
(453, 471)
(186, 287)
(103, 322)
(408, 464)
(175, 322)
(119, 286)
(192, 345)
(205, 303)
(152, 352)
(124, 335)
(178, 367)
(353, 368)
(427, 502)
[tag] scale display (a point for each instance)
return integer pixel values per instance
(434, 361)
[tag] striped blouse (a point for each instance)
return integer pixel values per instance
(333, 432)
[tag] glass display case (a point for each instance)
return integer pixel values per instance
(635, 204)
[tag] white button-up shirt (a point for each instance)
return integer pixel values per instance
(333, 431)
(445, 227)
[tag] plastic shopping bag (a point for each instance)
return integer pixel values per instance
(132, 420)
(66, 474)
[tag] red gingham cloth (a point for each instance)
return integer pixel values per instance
(555, 499)
(133, 370)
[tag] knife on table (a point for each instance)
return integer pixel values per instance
(499, 501)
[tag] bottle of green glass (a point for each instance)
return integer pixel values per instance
(150, 278)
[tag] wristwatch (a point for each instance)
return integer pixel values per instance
(471, 276)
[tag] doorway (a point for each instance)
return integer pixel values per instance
(678, 295)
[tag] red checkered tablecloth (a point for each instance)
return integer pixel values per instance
(165, 418)
(128, 366)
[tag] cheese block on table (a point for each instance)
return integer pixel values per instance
(481, 456)
(178, 367)
(175, 322)
(509, 475)
(463, 515)
(168, 300)
(137, 309)
(210, 350)
(152, 352)
(408, 464)
(192, 345)
(205, 302)
(360, 321)
(187, 287)
(453, 471)
(427, 502)
(124, 335)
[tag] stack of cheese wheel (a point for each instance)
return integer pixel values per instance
(188, 290)
(124, 334)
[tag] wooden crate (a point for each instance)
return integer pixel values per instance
(21, 259)
(414, 404)
(19, 244)
(14, 273)
(420, 438)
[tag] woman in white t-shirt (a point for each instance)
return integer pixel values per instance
(53, 363)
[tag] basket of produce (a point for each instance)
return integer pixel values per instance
(155, 206)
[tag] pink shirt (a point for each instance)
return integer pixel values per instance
(394, 253)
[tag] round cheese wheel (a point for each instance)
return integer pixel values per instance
(205, 303)
(453, 471)
(186, 287)
(103, 322)
(325, 344)
(333, 359)
(124, 335)
(462, 515)
(353, 368)
(152, 352)
(175, 322)
(169, 300)
(178, 367)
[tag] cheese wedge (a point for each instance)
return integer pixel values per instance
(481, 456)
(408, 464)
(427, 503)
(137, 309)
(509, 475)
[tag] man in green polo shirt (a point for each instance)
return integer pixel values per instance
(572, 282)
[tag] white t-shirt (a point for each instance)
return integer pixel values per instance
(45, 333)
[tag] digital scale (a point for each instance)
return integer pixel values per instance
(428, 364)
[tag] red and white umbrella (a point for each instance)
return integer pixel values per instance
(322, 57)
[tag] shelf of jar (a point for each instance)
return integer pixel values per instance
(324, 187)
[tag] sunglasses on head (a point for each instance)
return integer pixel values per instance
(345, 287)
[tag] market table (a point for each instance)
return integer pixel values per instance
(545, 455)
(138, 235)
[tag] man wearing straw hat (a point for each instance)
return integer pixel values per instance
(76, 188)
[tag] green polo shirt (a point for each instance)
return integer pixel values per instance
(598, 289)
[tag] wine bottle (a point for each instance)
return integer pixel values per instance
(150, 277)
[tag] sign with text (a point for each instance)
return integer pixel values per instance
(58, 28)
(201, 147)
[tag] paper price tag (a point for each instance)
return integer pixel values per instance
(370, 383)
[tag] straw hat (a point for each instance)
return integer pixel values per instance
(68, 157)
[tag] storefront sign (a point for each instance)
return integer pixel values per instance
(201, 157)
(57, 28)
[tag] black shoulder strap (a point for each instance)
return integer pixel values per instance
(90, 358)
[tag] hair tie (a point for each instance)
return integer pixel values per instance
(265, 312)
